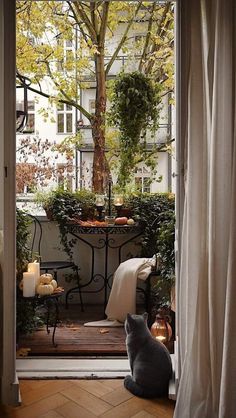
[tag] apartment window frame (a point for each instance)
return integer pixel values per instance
(63, 112)
(31, 117)
(67, 48)
(142, 178)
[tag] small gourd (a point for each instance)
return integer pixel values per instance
(45, 278)
(45, 289)
(54, 283)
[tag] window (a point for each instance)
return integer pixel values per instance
(64, 175)
(142, 180)
(64, 119)
(66, 54)
(92, 106)
(30, 126)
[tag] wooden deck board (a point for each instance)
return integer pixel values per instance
(73, 338)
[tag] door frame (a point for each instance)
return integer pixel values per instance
(8, 377)
(9, 387)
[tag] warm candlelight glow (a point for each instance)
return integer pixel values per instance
(161, 329)
(161, 338)
(100, 201)
(118, 200)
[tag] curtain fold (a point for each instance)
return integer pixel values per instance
(207, 317)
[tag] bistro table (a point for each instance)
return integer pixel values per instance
(50, 301)
(106, 241)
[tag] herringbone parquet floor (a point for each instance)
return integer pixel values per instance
(84, 399)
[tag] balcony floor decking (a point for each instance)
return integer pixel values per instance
(73, 339)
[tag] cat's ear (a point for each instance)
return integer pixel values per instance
(129, 318)
(145, 316)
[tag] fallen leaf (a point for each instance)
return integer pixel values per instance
(23, 352)
(104, 331)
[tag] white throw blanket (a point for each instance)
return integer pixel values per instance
(122, 299)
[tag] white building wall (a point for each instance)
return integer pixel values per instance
(47, 128)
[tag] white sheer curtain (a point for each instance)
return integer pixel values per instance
(207, 289)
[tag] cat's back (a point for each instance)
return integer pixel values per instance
(150, 360)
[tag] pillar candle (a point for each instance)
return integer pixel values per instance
(28, 284)
(35, 268)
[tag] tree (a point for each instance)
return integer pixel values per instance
(44, 27)
(42, 168)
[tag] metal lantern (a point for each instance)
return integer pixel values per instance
(161, 329)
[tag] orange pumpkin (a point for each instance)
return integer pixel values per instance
(121, 221)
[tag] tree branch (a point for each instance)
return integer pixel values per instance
(122, 41)
(159, 32)
(86, 21)
(65, 101)
(85, 36)
(103, 26)
(94, 17)
(147, 40)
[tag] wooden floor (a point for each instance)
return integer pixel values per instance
(73, 338)
(84, 399)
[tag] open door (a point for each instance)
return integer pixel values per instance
(8, 381)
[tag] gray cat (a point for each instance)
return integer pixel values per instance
(150, 361)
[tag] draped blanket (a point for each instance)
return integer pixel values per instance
(122, 299)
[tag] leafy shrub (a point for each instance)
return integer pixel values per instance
(27, 319)
(156, 214)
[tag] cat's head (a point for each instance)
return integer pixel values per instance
(135, 322)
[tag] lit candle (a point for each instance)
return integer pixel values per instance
(28, 284)
(118, 200)
(100, 201)
(161, 338)
(35, 268)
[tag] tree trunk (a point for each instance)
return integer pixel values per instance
(100, 168)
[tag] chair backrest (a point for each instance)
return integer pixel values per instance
(36, 237)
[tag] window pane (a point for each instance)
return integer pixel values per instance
(68, 107)
(69, 122)
(146, 185)
(68, 43)
(92, 107)
(60, 123)
(138, 183)
(60, 64)
(60, 106)
(31, 105)
(30, 124)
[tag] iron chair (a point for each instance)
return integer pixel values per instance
(50, 266)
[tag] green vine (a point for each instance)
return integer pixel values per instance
(135, 110)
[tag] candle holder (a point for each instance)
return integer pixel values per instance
(100, 203)
(161, 329)
(118, 203)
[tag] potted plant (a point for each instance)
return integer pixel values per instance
(135, 109)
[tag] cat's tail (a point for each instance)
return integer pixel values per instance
(142, 392)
